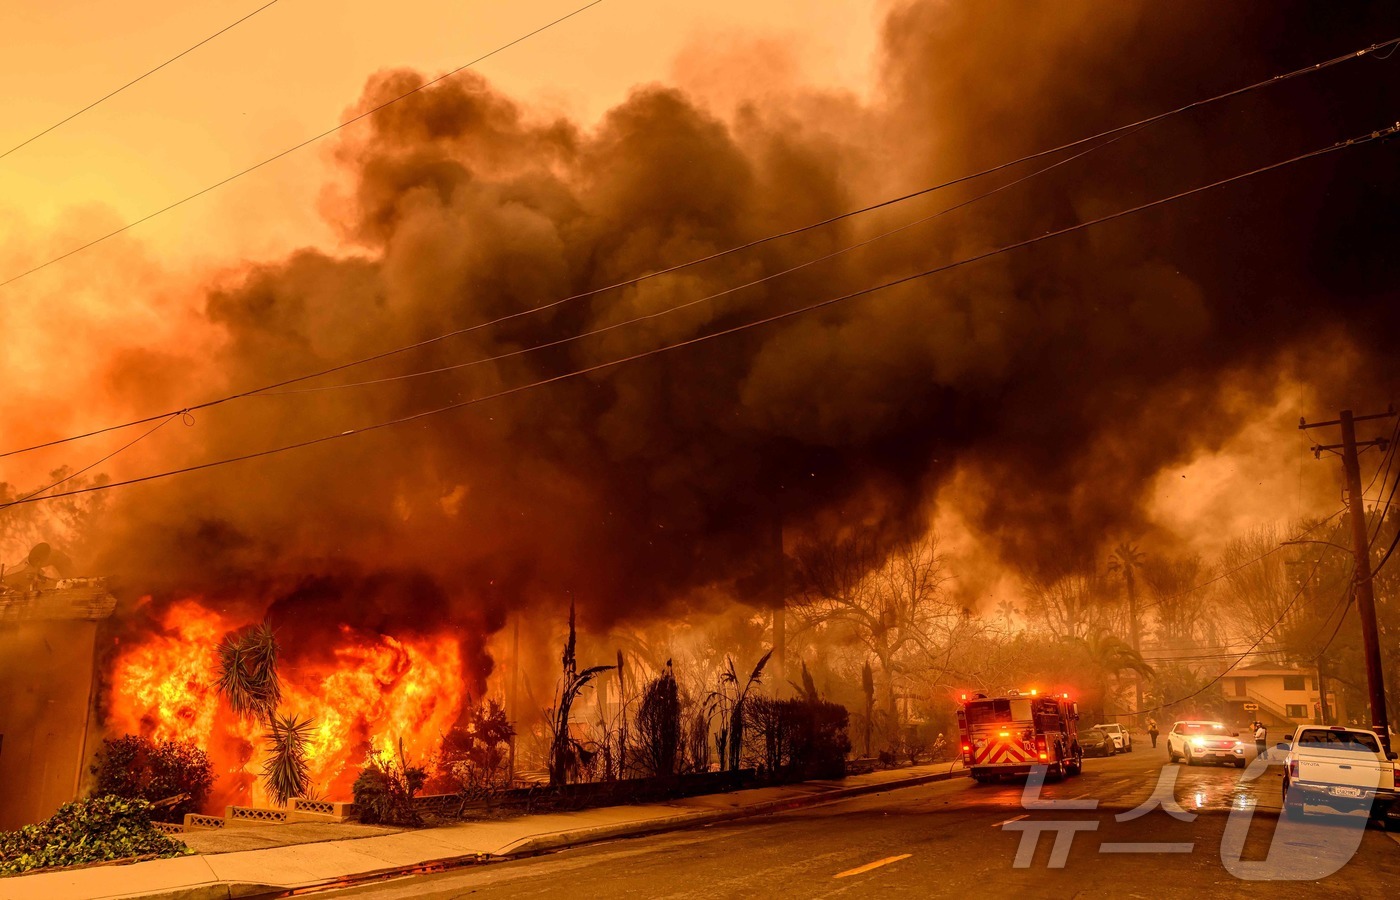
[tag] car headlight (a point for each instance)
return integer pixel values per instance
(1198, 742)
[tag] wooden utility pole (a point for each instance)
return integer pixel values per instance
(1361, 550)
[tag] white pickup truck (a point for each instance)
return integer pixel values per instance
(1344, 768)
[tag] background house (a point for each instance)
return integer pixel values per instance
(1282, 697)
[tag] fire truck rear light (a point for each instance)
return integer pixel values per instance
(1033, 692)
(1043, 756)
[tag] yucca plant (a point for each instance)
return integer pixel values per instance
(285, 772)
(248, 672)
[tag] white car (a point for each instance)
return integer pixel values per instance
(1205, 742)
(1339, 767)
(1122, 741)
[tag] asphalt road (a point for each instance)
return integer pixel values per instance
(958, 838)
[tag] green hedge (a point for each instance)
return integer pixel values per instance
(84, 831)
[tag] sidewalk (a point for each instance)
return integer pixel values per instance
(328, 857)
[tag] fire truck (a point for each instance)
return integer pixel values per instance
(1011, 733)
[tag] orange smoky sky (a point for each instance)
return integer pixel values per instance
(289, 72)
(1137, 380)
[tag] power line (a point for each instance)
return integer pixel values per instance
(110, 94)
(1351, 142)
(1244, 565)
(709, 297)
(1389, 457)
(1393, 544)
(70, 476)
(1203, 688)
(654, 315)
(704, 299)
(295, 147)
(1316, 67)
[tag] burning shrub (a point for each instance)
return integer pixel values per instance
(135, 767)
(659, 725)
(568, 757)
(474, 757)
(385, 788)
(798, 739)
(84, 831)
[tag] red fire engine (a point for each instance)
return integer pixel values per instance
(1009, 734)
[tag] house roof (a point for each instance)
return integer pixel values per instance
(1266, 669)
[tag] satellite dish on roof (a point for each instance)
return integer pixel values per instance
(39, 556)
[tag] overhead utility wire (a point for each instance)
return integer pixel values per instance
(1203, 688)
(671, 269)
(1385, 509)
(1244, 565)
(698, 300)
(110, 94)
(71, 475)
(295, 147)
(665, 311)
(777, 317)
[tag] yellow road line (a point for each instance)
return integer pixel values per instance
(861, 870)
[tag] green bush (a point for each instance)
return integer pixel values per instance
(84, 831)
(137, 767)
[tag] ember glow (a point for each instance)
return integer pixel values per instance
(364, 692)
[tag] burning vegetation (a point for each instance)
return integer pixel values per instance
(361, 694)
(927, 481)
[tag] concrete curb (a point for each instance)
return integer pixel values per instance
(541, 844)
(549, 843)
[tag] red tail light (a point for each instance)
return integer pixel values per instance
(1293, 768)
(1041, 749)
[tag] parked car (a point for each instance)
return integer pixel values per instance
(1340, 767)
(1095, 742)
(1122, 741)
(1205, 742)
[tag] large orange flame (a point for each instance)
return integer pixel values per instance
(364, 695)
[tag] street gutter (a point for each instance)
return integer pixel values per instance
(563, 840)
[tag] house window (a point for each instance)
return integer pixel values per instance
(1241, 687)
(1293, 683)
(1296, 711)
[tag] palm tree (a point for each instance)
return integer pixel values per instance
(1108, 655)
(1125, 561)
